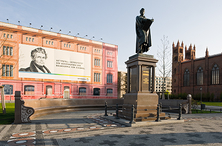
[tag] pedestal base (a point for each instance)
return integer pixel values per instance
(145, 105)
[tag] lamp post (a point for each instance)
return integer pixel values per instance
(201, 105)
(201, 95)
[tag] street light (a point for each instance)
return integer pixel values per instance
(201, 105)
(201, 95)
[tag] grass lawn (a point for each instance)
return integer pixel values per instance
(7, 118)
(202, 112)
(213, 103)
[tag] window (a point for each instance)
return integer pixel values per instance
(49, 42)
(4, 50)
(11, 51)
(200, 76)
(11, 36)
(82, 91)
(215, 74)
(29, 89)
(186, 78)
(109, 78)
(11, 70)
(27, 39)
(32, 39)
(7, 50)
(3, 70)
(7, 35)
(7, 70)
(109, 53)
(48, 90)
(109, 64)
(109, 91)
(96, 91)
(66, 92)
(96, 62)
(8, 89)
(4, 35)
(96, 77)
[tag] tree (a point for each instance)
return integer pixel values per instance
(164, 63)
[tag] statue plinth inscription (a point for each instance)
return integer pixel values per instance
(145, 78)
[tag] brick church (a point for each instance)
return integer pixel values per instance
(190, 74)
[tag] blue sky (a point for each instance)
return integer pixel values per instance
(196, 22)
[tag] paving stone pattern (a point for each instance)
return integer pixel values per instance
(90, 129)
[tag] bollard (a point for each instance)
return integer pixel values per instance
(158, 113)
(132, 115)
(180, 112)
(105, 109)
(117, 111)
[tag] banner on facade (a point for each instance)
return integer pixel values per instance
(47, 63)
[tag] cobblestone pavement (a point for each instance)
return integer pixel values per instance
(88, 128)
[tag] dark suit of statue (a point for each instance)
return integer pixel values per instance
(143, 39)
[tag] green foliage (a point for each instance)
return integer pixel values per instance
(208, 96)
(202, 112)
(7, 118)
(221, 96)
(194, 104)
(212, 97)
(178, 96)
(213, 103)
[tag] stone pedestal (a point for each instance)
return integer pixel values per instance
(141, 88)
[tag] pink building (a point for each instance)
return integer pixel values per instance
(45, 64)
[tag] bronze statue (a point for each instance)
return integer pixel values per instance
(143, 39)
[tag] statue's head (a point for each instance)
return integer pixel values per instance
(142, 11)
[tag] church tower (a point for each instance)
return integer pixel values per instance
(190, 53)
(177, 58)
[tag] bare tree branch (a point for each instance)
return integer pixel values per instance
(164, 63)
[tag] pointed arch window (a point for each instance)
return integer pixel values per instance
(186, 78)
(215, 74)
(200, 76)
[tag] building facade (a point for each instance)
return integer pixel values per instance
(122, 84)
(73, 67)
(195, 75)
(167, 84)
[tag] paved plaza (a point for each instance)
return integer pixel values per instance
(89, 128)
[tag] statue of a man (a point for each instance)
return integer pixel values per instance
(143, 39)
